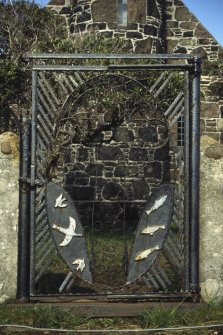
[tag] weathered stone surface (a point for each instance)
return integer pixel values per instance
(152, 9)
(182, 14)
(83, 17)
(171, 45)
(215, 151)
(104, 11)
(150, 30)
(187, 25)
(144, 46)
(137, 11)
(153, 171)
(9, 172)
(113, 191)
(110, 153)
(141, 189)
(200, 52)
(201, 31)
(209, 110)
(122, 134)
(216, 89)
(133, 34)
(211, 229)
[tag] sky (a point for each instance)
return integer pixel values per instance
(209, 12)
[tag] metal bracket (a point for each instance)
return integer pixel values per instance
(35, 183)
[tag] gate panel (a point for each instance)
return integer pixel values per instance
(111, 136)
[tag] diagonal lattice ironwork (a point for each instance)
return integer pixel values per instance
(54, 89)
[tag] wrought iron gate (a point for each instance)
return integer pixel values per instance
(109, 190)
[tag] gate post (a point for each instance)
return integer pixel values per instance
(194, 181)
(23, 232)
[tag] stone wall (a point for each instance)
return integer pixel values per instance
(144, 27)
(211, 212)
(9, 172)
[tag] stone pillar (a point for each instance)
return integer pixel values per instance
(9, 191)
(211, 224)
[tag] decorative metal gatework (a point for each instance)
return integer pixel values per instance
(109, 178)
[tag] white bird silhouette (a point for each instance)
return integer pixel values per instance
(80, 264)
(60, 200)
(145, 253)
(151, 230)
(157, 204)
(69, 232)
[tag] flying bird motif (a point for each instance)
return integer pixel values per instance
(80, 264)
(145, 253)
(157, 204)
(69, 232)
(60, 200)
(152, 230)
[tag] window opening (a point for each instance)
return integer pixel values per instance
(123, 12)
(180, 132)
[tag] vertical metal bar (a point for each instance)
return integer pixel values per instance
(23, 230)
(194, 181)
(32, 181)
(186, 186)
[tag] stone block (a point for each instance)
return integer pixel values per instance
(171, 45)
(122, 134)
(83, 17)
(172, 24)
(152, 9)
(187, 25)
(144, 46)
(215, 151)
(83, 193)
(141, 190)
(200, 52)
(110, 153)
(94, 169)
(104, 11)
(138, 154)
(201, 31)
(209, 110)
(113, 191)
(150, 30)
(137, 11)
(182, 14)
(153, 171)
(134, 34)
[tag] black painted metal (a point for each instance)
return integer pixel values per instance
(194, 183)
(107, 56)
(73, 251)
(27, 250)
(161, 201)
(24, 222)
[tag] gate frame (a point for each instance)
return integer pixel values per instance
(28, 183)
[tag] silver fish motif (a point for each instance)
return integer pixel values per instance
(145, 253)
(59, 202)
(80, 264)
(152, 230)
(69, 232)
(157, 204)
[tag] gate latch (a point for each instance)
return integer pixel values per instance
(35, 183)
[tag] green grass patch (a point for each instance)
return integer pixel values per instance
(53, 317)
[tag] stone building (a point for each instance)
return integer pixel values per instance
(154, 26)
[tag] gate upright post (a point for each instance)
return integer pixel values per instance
(23, 232)
(194, 182)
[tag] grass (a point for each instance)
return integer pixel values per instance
(54, 317)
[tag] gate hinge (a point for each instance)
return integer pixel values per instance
(35, 183)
